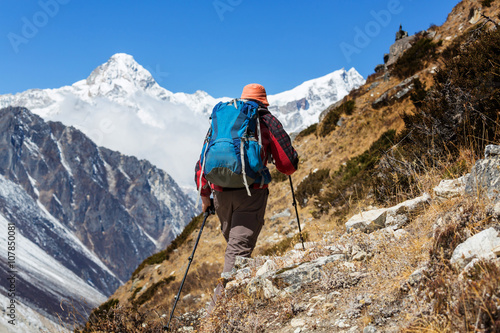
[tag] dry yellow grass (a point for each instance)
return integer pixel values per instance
(388, 297)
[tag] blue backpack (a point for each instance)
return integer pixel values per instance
(231, 154)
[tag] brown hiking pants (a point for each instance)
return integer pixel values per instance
(241, 218)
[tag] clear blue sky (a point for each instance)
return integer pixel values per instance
(213, 45)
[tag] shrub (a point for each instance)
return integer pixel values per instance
(419, 93)
(458, 113)
(146, 295)
(348, 107)
(394, 179)
(368, 158)
(278, 176)
(487, 3)
(284, 245)
(311, 185)
(461, 109)
(354, 180)
(461, 300)
(308, 131)
(136, 291)
(415, 58)
(103, 312)
(161, 256)
(332, 117)
(329, 122)
(121, 319)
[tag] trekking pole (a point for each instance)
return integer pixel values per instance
(210, 210)
(296, 212)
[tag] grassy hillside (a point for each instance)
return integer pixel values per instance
(382, 152)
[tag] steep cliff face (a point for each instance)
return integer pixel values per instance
(94, 212)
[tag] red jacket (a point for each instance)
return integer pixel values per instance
(277, 145)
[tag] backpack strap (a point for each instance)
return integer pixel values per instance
(259, 137)
(203, 166)
(242, 151)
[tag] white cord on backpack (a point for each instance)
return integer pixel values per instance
(259, 137)
(243, 172)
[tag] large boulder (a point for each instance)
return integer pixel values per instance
(294, 277)
(394, 217)
(396, 93)
(397, 216)
(368, 221)
(449, 188)
(398, 48)
(481, 245)
(485, 175)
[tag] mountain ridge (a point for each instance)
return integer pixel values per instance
(120, 106)
(85, 216)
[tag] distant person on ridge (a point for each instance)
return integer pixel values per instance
(241, 205)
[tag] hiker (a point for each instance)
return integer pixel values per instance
(241, 209)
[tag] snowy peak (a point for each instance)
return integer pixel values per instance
(120, 106)
(120, 74)
(341, 81)
(301, 106)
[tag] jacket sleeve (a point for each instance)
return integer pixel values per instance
(285, 157)
(205, 187)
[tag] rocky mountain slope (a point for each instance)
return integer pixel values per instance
(91, 213)
(122, 107)
(84, 216)
(374, 163)
(373, 277)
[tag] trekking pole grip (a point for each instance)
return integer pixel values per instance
(211, 209)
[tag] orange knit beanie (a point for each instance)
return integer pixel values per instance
(255, 91)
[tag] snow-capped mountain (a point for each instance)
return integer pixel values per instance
(301, 106)
(84, 216)
(122, 107)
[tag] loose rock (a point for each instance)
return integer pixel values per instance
(477, 246)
